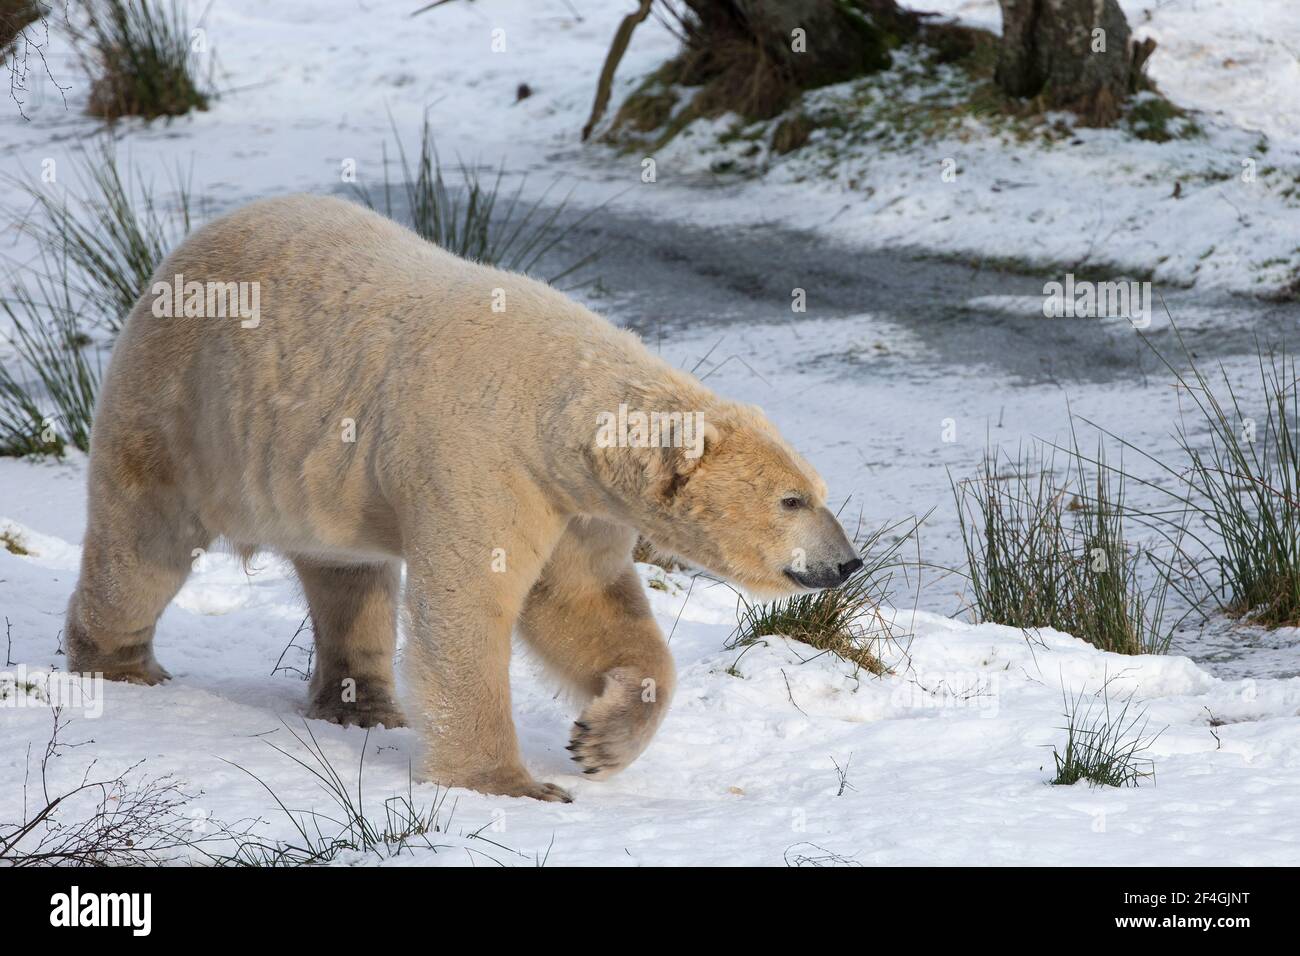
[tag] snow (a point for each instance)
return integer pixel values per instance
(947, 758)
(306, 89)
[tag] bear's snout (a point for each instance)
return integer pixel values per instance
(824, 576)
(833, 560)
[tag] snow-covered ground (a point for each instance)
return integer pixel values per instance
(312, 84)
(946, 761)
(947, 758)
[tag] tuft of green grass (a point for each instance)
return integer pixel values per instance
(845, 621)
(1153, 118)
(25, 429)
(142, 60)
(1118, 611)
(1242, 481)
(475, 219)
(1102, 746)
(114, 232)
(1017, 545)
(1249, 480)
(47, 396)
(1050, 551)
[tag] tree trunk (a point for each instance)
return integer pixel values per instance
(1077, 54)
(754, 57)
(839, 39)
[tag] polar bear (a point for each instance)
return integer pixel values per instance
(308, 377)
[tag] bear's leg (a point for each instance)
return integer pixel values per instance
(589, 619)
(354, 615)
(138, 550)
(461, 607)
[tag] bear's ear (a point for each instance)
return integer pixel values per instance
(669, 469)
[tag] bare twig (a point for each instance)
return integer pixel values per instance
(622, 37)
(131, 822)
(843, 774)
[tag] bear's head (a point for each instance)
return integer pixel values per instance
(738, 501)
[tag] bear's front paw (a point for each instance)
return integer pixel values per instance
(618, 724)
(548, 792)
(513, 784)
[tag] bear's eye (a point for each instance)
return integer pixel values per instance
(791, 503)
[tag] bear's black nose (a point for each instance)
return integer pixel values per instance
(848, 567)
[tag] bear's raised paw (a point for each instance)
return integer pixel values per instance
(616, 726)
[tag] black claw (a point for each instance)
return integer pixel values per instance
(593, 770)
(581, 726)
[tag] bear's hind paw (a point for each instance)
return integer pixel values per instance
(371, 714)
